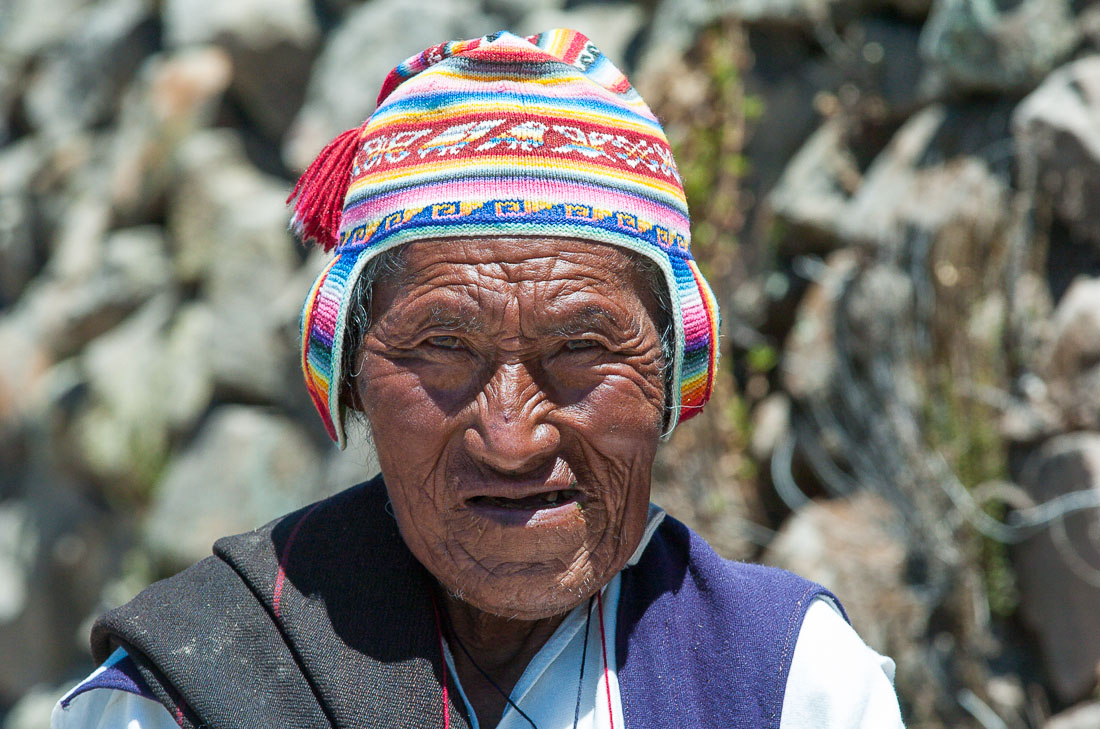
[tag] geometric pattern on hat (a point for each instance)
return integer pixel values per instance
(512, 136)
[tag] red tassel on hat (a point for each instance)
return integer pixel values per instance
(319, 195)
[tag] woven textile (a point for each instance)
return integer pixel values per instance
(700, 641)
(502, 135)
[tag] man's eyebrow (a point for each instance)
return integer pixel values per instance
(587, 319)
(448, 318)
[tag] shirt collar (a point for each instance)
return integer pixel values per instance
(653, 520)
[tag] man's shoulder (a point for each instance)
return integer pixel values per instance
(271, 601)
(685, 611)
(677, 553)
(245, 567)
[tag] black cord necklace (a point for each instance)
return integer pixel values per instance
(487, 677)
(584, 659)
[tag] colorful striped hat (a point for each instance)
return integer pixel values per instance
(510, 136)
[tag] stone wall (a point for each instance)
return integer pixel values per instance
(894, 199)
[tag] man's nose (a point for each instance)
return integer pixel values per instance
(510, 433)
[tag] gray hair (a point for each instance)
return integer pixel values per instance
(391, 264)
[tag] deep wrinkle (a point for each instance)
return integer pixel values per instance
(503, 371)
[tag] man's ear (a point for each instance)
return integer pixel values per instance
(350, 397)
(349, 392)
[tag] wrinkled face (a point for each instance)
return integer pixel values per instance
(513, 388)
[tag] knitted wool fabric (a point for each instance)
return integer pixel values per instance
(510, 136)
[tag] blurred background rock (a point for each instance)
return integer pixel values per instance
(896, 200)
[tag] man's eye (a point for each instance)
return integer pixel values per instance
(576, 345)
(444, 341)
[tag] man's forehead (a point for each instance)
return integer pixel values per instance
(538, 268)
(543, 285)
(574, 307)
(533, 257)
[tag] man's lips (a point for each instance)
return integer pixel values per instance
(548, 499)
(548, 508)
(538, 499)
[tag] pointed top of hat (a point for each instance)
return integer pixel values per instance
(564, 45)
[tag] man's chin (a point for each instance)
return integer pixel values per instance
(522, 597)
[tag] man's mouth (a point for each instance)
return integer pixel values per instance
(533, 502)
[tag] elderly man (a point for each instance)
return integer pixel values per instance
(514, 312)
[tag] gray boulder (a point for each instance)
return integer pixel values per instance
(1058, 569)
(878, 309)
(19, 259)
(95, 287)
(802, 13)
(245, 22)
(23, 369)
(673, 29)
(813, 193)
(1057, 136)
(677, 22)
(81, 81)
(174, 95)
(1082, 716)
(55, 553)
(246, 467)
(852, 546)
(272, 44)
(1072, 371)
(244, 349)
(771, 423)
(76, 248)
(983, 45)
(915, 190)
(31, 26)
(228, 221)
(809, 359)
(33, 710)
(229, 225)
(512, 12)
(18, 547)
(145, 382)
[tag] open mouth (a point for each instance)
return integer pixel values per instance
(544, 500)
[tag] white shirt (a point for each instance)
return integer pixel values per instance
(835, 681)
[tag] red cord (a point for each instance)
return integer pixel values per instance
(606, 674)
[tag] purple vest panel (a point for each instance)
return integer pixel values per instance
(119, 674)
(705, 642)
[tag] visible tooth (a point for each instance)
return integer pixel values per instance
(550, 496)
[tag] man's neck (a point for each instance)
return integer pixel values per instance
(501, 647)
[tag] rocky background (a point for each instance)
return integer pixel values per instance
(898, 202)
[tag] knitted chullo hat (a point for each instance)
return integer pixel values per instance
(510, 136)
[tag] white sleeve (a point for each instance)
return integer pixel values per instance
(836, 681)
(104, 708)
